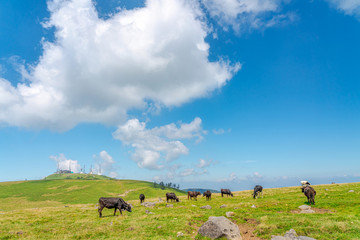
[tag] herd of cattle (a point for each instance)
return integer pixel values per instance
(119, 203)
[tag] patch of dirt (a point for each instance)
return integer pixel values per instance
(128, 191)
(76, 187)
(248, 229)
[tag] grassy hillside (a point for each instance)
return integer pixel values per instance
(66, 209)
(78, 191)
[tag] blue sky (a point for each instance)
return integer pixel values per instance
(202, 93)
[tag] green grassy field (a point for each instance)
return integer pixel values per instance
(67, 209)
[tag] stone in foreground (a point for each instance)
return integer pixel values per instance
(291, 235)
(217, 227)
(230, 214)
(206, 207)
(148, 204)
(304, 207)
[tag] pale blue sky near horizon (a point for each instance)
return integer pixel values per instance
(290, 113)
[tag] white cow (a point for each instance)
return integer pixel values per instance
(303, 183)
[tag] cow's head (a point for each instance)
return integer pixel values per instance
(126, 206)
(197, 193)
(231, 194)
(177, 199)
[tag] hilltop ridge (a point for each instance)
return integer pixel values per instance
(82, 176)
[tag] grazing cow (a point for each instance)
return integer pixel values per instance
(257, 191)
(227, 192)
(193, 194)
(172, 197)
(111, 202)
(310, 194)
(207, 194)
(142, 198)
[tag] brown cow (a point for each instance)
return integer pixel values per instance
(227, 192)
(207, 194)
(172, 197)
(193, 194)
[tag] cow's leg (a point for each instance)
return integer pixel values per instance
(100, 211)
(115, 211)
(120, 211)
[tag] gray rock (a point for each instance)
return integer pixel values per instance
(148, 212)
(351, 191)
(223, 206)
(326, 189)
(217, 227)
(169, 205)
(291, 235)
(273, 237)
(148, 204)
(193, 205)
(180, 234)
(304, 207)
(160, 200)
(230, 214)
(206, 207)
(253, 206)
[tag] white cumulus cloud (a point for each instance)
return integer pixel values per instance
(248, 14)
(155, 148)
(66, 164)
(96, 69)
(349, 7)
(203, 163)
(232, 178)
(104, 164)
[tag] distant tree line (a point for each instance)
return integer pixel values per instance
(163, 185)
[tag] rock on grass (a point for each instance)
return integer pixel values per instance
(217, 227)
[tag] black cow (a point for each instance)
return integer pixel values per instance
(257, 191)
(207, 194)
(227, 192)
(310, 194)
(193, 194)
(142, 198)
(111, 202)
(172, 197)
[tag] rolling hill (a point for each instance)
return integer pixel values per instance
(80, 189)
